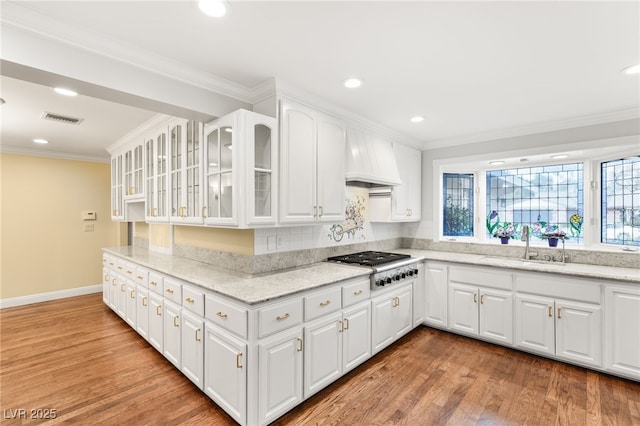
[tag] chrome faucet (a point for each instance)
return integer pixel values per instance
(525, 236)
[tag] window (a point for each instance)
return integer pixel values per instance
(458, 204)
(549, 199)
(620, 210)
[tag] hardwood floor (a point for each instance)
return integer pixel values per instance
(79, 358)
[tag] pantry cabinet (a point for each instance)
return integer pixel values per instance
(241, 159)
(312, 165)
(622, 335)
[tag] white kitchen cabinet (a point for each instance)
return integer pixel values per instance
(312, 165)
(419, 292)
(480, 303)
(436, 290)
(156, 323)
(356, 336)
(117, 190)
(622, 330)
(121, 305)
(142, 311)
(241, 159)
(391, 316)
(106, 284)
(192, 347)
(322, 352)
(157, 175)
(406, 198)
(134, 171)
(185, 179)
(565, 329)
(280, 374)
(172, 337)
(130, 309)
(487, 313)
(114, 289)
(225, 372)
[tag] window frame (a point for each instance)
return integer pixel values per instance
(592, 221)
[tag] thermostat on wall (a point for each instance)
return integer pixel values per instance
(88, 215)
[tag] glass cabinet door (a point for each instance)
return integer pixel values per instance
(262, 171)
(192, 169)
(161, 161)
(177, 204)
(117, 211)
(138, 170)
(151, 194)
(219, 175)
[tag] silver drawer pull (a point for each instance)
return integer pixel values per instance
(284, 317)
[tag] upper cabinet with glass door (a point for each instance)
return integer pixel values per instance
(185, 150)
(156, 147)
(133, 172)
(240, 159)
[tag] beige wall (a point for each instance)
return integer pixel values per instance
(43, 244)
(239, 241)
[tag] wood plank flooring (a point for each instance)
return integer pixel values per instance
(76, 356)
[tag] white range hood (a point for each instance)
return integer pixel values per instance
(370, 160)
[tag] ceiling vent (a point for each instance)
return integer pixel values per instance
(61, 118)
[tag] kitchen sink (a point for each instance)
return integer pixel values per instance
(514, 261)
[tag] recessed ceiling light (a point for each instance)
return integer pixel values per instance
(496, 163)
(634, 69)
(559, 156)
(213, 8)
(417, 119)
(352, 83)
(65, 92)
(41, 141)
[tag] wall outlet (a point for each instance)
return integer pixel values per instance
(89, 227)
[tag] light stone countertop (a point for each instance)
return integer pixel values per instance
(629, 275)
(254, 289)
(249, 289)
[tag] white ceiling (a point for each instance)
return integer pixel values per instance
(471, 68)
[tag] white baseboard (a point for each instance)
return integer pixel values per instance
(45, 297)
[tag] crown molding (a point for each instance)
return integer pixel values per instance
(21, 16)
(140, 132)
(8, 149)
(549, 126)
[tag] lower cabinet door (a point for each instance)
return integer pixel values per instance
(192, 348)
(225, 372)
(172, 336)
(535, 328)
(403, 312)
(436, 285)
(114, 289)
(496, 316)
(356, 337)
(622, 339)
(106, 284)
(322, 353)
(122, 298)
(142, 311)
(463, 308)
(280, 369)
(156, 324)
(382, 324)
(578, 332)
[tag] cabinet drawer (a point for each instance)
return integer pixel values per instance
(156, 282)
(128, 270)
(172, 290)
(142, 276)
(193, 300)
(228, 316)
(279, 317)
(325, 302)
(355, 292)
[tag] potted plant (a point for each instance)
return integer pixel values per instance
(505, 233)
(553, 236)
